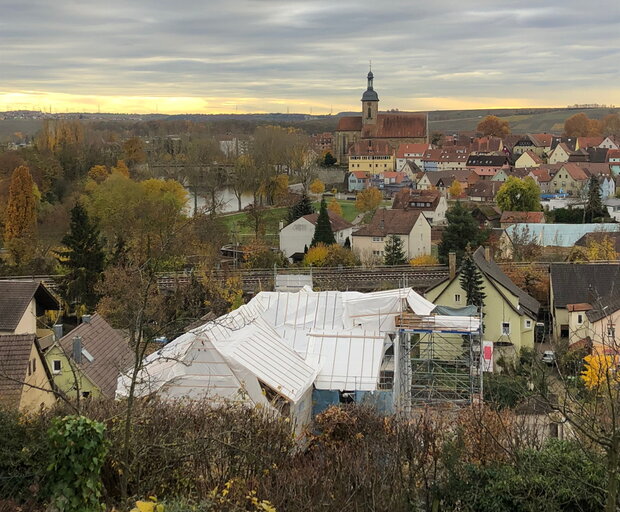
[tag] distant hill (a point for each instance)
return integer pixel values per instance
(522, 120)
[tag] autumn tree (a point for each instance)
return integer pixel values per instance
(599, 247)
(610, 125)
(21, 215)
(238, 177)
(317, 187)
(494, 126)
(519, 195)
(323, 231)
(461, 230)
(393, 253)
(133, 152)
(98, 173)
(334, 206)
(333, 255)
(455, 190)
(579, 125)
(368, 200)
(120, 168)
(83, 259)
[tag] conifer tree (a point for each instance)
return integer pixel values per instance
(594, 207)
(83, 259)
(393, 251)
(323, 231)
(301, 208)
(471, 281)
(462, 230)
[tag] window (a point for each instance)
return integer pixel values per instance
(56, 366)
(377, 239)
(505, 328)
(579, 319)
(528, 324)
(85, 394)
(611, 331)
(457, 297)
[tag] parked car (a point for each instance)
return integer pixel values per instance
(548, 357)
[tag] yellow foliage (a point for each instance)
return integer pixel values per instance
(121, 168)
(368, 200)
(599, 369)
(98, 173)
(595, 250)
(148, 506)
(317, 187)
(334, 207)
(21, 210)
(455, 190)
(421, 261)
(316, 256)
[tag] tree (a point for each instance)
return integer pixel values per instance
(493, 125)
(471, 281)
(599, 247)
(21, 215)
(300, 208)
(422, 261)
(334, 255)
(610, 125)
(323, 231)
(462, 230)
(580, 125)
(519, 195)
(455, 190)
(317, 187)
(121, 168)
(334, 207)
(238, 177)
(368, 200)
(393, 251)
(98, 173)
(83, 259)
(329, 159)
(593, 208)
(133, 152)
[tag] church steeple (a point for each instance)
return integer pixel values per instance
(370, 102)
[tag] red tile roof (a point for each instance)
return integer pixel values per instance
(336, 221)
(371, 147)
(613, 153)
(350, 124)
(395, 126)
(414, 148)
(541, 139)
(407, 198)
(575, 171)
(589, 142)
(522, 217)
(390, 222)
(360, 174)
(542, 175)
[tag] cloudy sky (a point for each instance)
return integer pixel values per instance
(216, 56)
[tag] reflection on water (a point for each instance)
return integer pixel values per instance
(225, 196)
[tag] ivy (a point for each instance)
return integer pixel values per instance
(78, 449)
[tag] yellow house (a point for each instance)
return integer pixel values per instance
(509, 313)
(570, 179)
(371, 156)
(528, 160)
(25, 382)
(89, 359)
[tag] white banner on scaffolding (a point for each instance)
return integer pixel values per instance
(487, 356)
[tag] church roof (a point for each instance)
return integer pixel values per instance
(350, 124)
(396, 125)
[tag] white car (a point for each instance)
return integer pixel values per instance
(548, 357)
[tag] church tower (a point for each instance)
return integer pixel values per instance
(370, 103)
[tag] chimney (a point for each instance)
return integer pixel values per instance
(58, 330)
(452, 264)
(86, 319)
(76, 353)
(487, 253)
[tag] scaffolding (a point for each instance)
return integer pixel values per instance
(439, 362)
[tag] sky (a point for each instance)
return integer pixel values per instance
(309, 56)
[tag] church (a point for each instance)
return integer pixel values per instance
(393, 128)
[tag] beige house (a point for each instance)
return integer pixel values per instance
(410, 226)
(430, 202)
(560, 154)
(528, 160)
(570, 179)
(25, 383)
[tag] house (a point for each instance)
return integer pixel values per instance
(484, 191)
(609, 143)
(22, 307)
(423, 181)
(431, 159)
(453, 158)
(510, 218)
(578, 287)
(411, 152)
(297, 236)
(613, 208)
(485, 145)
(589, 142)
(443, 180)
(537, 143)
(491, 163)
(569, 142)
(411, 170)
(89, 359)
(557, 237)
(528, 160)
(371, 156)
(613, 237)
(487, 216)
(25, 383)
(509, 313)
(597, 155)
(613, 157)
(358, 180)
(410, 225)
(570, 179)
(323, 142)
(430, 202)
(543, 178)
(390, 182)
(560, 154)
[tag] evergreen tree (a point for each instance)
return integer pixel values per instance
(594, 207)
(323, 231)
(329, 159)
(299, 209)
(393, 251)
(472, 282)
(462, 230)
(83, 259)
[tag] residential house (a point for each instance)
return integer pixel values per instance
(411, 152)
(25, 383)
(609, 143)
(487, 216)
(586, 285)
(410, 225)
(323, 142)
(537, 143)
(357, 180)
(442, 180)
(488, 162)
(613, 208)
(453, 158)
(430, 202)
(486, 145)
(89, 359)
(597, 155)
(570, 179)
(483, 191)
(589, 142)
(390, 182)
(371, 156)
(528, 160)
(411, 170)
(297, 236)
(556, 238)
(509, 218)
(560, 154)
(543, 179)
(431, 159)
(613, 237)
(613, 157)
(569, 142)
(23, 305)
(423, 181)
(509, 313)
